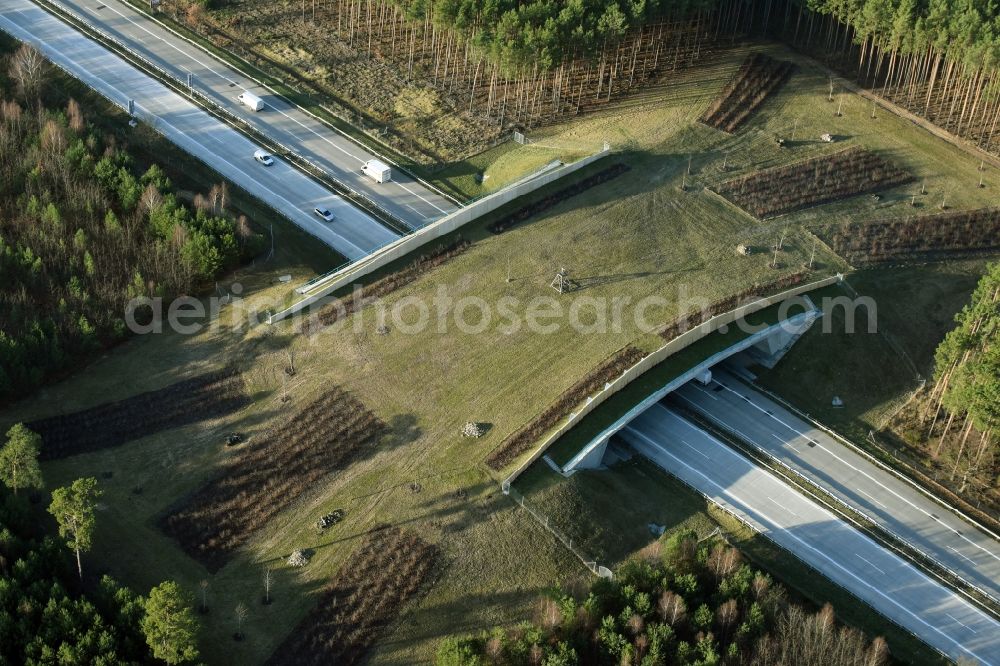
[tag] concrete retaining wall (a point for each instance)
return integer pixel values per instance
(648, 362)
(328, 284)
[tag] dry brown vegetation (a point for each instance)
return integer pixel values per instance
(114, 423)
(594, 381)
(269, 473)
(421, 79)
(385, 571)
(815, 181)
(757, 77)
(558, 197)
(382, 287)
(689, 320)
(926, 236)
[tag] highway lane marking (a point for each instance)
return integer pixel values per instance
(872, 499)
(782, 506)
(87, 74)
(784, 443)
(702, 390)
(870, 564)
(962, 555)
(876, 590)
(695, 449)
(294, 120)
(960, 622)
(858, 470)
(429, 203)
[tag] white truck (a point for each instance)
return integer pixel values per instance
(253, 102)
(377, 170)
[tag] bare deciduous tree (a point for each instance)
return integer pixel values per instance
(53, 141)
(195, 15)
(494, 649)
(672, 608)
(803, 638)
(723, 561)
(241, 614)
(549, 614)
(636, 624)
(727, 614)
(27, 68)
(878, 653)
(761, 583)
(74, 116)
(151, 198)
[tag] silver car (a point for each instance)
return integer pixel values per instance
(262, 157)
(324, 213)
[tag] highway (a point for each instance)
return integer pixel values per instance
(409, 200)
(894, 504)
(286, 189)
(876, 575)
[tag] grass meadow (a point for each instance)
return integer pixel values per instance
(638, 236)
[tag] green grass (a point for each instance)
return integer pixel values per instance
(873, 373)
(639, 236)
(607, 513)
(492, 169)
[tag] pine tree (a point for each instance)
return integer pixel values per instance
(73, 509)
(169, 625)
(19, 459)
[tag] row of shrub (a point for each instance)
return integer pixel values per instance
(344, 307)
(924, 236)
(543, 204)
(594, 381)
(687, 321)
(112, 424)
(757, 77)
(812, 182)
(371, 587)
(270, 472)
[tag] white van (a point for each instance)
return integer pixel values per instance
(253, 102)
(377, 170)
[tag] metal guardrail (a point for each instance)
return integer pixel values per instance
(324, 122)
(881, 464)
(321, 286)
(888, 538)
(312, 169)
(735, 513)
(306, 286)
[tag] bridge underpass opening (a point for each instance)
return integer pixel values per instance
(765, 347)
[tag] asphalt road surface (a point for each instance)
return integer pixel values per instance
(289, 191)
(896, 505)
(404, 197)
(884, 580)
